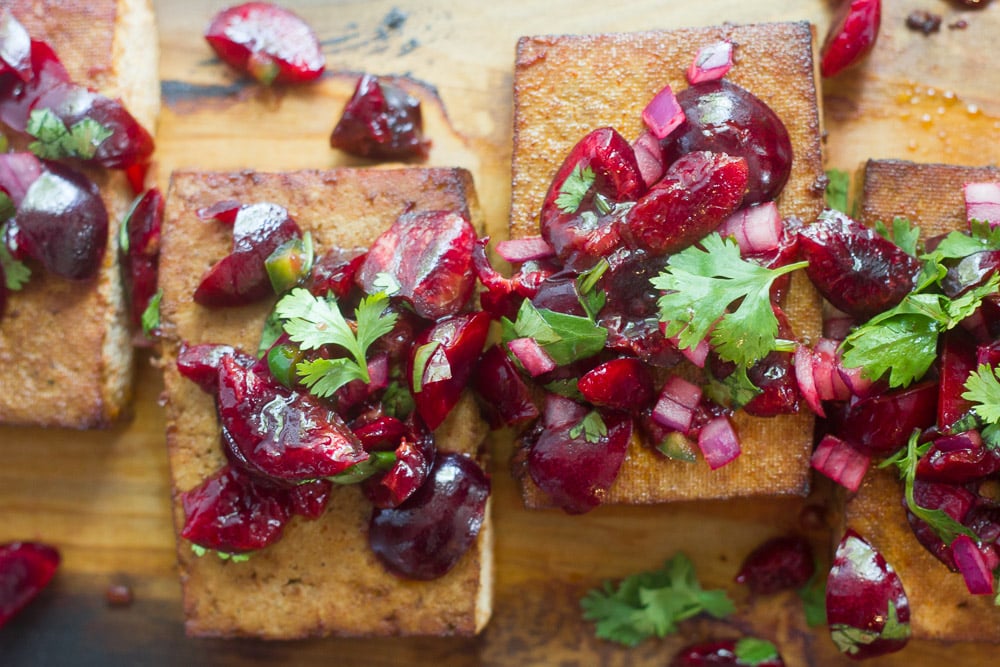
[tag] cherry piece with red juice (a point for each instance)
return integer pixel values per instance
(781, 563)
(505, 397)
(200, 363)
(720, 652)
(867, 610)
(334, 272)
(722, 117)
(851, 35)
(415, 454)
(381, 121)
(427, 535)
(882, 423)
(26, 568)
(427, 256)
(622, 384)
(240, 277)
(268, 42)
(139, 255)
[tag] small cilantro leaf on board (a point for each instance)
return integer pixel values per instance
(982, 389)
(150, 318)
(565, 338)
(700, 285)
(813, 596)
(753, 651)
(15, 273)
(574, 189)
(904, 234)
(55, 141)
(906, 461)
(592, 427)
(650, 604)
(314, 322)
(837, 186)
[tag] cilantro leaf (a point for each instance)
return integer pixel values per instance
(575, 188)
(837, 186)
(151, 315)
(701, 284)
(270, 333)
(753, 651)
(956, 245)
(592, 427)
(56, 141)
(906, 461)
(7, 208)
(903, 234)
(14, 272)
(651, 604)
(813, 596)
(314, 322)
(733, 391)
(983, 390)
(592, 300)
(565, 338)
(200, 551)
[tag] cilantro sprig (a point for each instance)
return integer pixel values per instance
(651, 604)
(837, 187)
(565, 338)
(15, 273)
(575, 188)
(906, 461)
(752, 651)
(315, 322)
(701, 284)
(591, 427)
(905, 235)
(982, 389)
(56, 141)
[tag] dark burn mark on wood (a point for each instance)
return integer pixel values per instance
(176, 92)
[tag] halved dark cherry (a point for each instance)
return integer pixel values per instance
(270, 43)
(415, 454)
(233, 513)
(851, 35)
(427, 535)
(428, 257)
(26, 568)
(723, 117)
(240, 277)
(505, 397)
(781, 563)
(381, 121)
(855, 269)
(881, 424)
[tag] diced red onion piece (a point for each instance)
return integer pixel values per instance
(561, 411)
(756, 228)
(677, 403)
(836, 323)
(712, 63)
(531, 355)
(856, 382)
(649, 156)
(982, 202)
(17, 172)
(663, 113)
(718, 442)
(518, 251)
(841, 462)
(804, 360)
(959, 441)
(696, 355)
(972, 565)
(827, 369)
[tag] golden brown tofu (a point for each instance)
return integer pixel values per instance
(81, 380)
(930, 195)
(565, 86)
(321, 578)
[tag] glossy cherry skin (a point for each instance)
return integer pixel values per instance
(855, 269)
(723, 117)
(140, 262)
(240, 277)
(957, 359)
(427, 535)
(381, 121)
(233, 513)
(581, 236)
(460, 340)
(334, 272)
(958, 466)
(780, 563)
(505, 398)
(955, 501)
(699, 190)
(863, 592)
(721, 652)
(881, 424)
(286, 434)
(200, 363)
(62, 223)
(26, 568)
(622, 384)
(415, 454)
(851, 36)
(309, 499)
(429, 255)
(270, 43)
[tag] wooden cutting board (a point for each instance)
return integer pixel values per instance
(103, 497)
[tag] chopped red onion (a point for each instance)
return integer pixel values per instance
(532, 356)
(972, 565)
(518, 251)
(649, 156)
(968, 440)
(560, 411)
(804, 361)
(841, 462)
(756, 228)
(677, 404)
(712, 63)
(696, 355)
(836, 323)
(718, 442)
(663, 113)
(829, 362)
(982, 202)
(17, 172)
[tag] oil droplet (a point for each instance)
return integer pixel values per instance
(912, 145)
(926, 119)
(972, 109)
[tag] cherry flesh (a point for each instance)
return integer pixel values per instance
(140, 259)
(381, 121)
(26, 568)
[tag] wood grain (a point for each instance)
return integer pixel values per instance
(103, 497)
